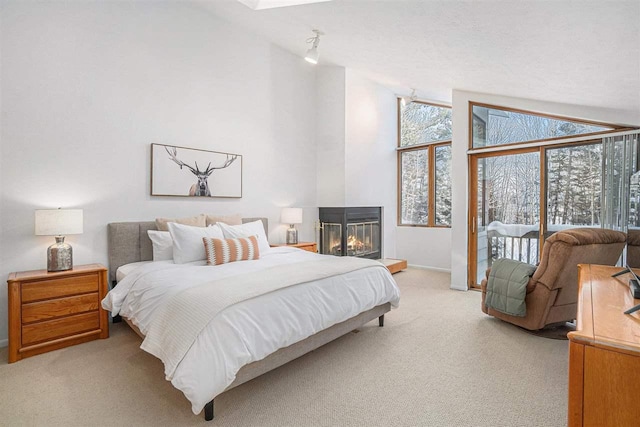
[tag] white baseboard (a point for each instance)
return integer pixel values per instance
(444, 270)
(4, 343)
(424, 267)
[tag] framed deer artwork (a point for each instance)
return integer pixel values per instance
(190, 172)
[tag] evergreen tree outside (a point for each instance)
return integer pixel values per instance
(512, 184)
(421, 124)
(443, 185)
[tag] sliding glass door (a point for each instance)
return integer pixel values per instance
(520, 197)
(506, 217)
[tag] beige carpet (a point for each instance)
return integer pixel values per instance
(439, 361)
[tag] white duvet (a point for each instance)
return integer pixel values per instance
(252, 329)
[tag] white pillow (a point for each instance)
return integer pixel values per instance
(187, 241)
(162, 244)
(255, 228)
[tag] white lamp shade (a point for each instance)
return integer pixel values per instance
(312, 56)
(291, 216)
(58, 222)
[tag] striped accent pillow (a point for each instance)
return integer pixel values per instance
(222, 251)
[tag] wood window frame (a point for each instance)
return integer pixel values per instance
(431, 165)
(512, 145)
(518, 148)
(472, 218)
(431, 188)
(472, 214)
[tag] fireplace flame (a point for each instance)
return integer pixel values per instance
(354, 244)
(359, 239)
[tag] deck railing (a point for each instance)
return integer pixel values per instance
(520, 248)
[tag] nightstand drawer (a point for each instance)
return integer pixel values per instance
(59, 287)
(51, 329)
(50, 309)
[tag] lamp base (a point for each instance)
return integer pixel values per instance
(292, 236)
(59, 256)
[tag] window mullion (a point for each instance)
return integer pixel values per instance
(428, 126)
(431, 199)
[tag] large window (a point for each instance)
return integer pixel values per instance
(522, 194)
(424, 165)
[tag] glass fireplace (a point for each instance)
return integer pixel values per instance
(353, 231)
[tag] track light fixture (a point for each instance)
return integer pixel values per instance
(406, 100)
(312, 54)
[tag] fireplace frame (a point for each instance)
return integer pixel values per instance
(351, 215)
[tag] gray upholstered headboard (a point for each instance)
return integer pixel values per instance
(129, 242)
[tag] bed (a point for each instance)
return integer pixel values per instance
(250, 337)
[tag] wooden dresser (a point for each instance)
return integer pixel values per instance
(48, 311)
(604, 352)
(307, 246)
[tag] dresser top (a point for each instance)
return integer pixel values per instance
(44, 274)
(602, 300)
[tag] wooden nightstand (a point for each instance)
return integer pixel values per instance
(48, 311)
(307, 246)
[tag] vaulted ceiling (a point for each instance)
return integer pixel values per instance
(573, 52)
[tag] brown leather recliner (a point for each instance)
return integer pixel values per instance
(633, 247)
(552, 291)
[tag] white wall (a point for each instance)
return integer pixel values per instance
(357, 130)
(460, 143)
(425, 247)
(330, 130)
(3, 298)
(371, 172)
(86, 88)
(370, 155)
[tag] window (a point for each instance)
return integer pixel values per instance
(424, 165)
(574, 181)
(491, 125)
(522, 194)
(414, 173)
(422, 123)
(443, 185)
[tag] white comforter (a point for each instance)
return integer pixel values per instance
(253, 329)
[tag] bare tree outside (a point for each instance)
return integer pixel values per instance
(421, 124)
(508, 127)
(415, 187)
(512, 188)
(510, 208)
(509, 185)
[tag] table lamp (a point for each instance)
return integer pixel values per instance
(59, 222)
(291, 216)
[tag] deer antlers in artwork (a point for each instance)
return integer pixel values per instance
(202, 187)
(173, 155)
